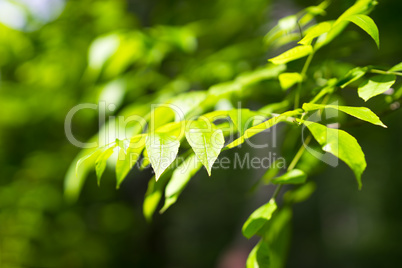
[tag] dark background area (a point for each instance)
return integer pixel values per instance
(46, 69)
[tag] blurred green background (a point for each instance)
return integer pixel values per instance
(55, 54)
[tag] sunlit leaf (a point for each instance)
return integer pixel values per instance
(294, 176)
(288, 23)
(313, 11)
(161, 115)
(376, 85)
(206, 141)
(258, 218)
(180, 177)
(78, 171)
(353, 75)
(396, 68)
(292, 54)
(101, 162)
(342, 145)
(360, 7)
(145, 161)
(242, 119)
(316, 31)
(215, 115)
(126, 160)
(287, 80)
(162, 150)
(261, 127)
(367, 24)
(362, 113)
(87, 160)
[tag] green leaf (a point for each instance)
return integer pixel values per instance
(268, 72)
(153, 196)
(271, 172)
(294, 176)
(259, 256)
(277, 234)
(342, 145)
(313, 11)
(77, 172)
(316, 31)
(181, 176)
(360, 7)
(353, 75)
(242, 119)
(376, 85)
(292, 54)
(362, 113)
(396, 68)
(125, 160)
(300, 194)
(258, 218)
(145, 161)
(87, 160)
(288, 23)
(101, 162)
(287, 80)
(206, 141)
(160, 116)
(162, 150)
(367, 24)
(261, 127)
(215, 115)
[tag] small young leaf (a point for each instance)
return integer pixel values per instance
(342, 145)
(292, 54)
(206, 141)
(181, 176)
(362, 113)
(101, 161)
(353, 75)
(162, 150)
(258, 218)
(294, 176)
(287, 80)
(125, 160)
(376, 85)
(367, 24)
(316, 31)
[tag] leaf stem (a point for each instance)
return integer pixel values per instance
(375, 71)
(299, 153)
(293, 163)
(303, 74)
